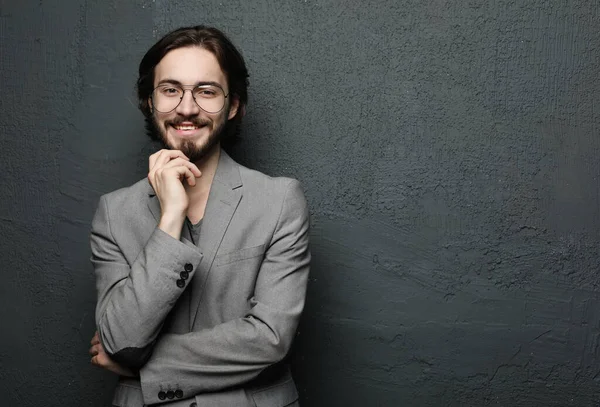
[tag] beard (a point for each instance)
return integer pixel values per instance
(188, 147)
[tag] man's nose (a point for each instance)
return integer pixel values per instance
(188, 106)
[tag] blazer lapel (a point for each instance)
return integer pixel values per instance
(223, 199)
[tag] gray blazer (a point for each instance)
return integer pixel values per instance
(209, 324)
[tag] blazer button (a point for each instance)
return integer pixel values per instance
(180, 283)
(188, 267)
(170, 394)
(162, 395)
(178, 393)
(184, 275)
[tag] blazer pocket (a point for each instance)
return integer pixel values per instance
(279, 395)
(239, 255)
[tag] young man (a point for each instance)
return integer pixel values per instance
(201, 269)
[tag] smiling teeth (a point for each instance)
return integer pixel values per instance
(186, 127)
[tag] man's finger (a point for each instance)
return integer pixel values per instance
(102, 360)
(95, 350)
(164, 156)
(191, 178)
(182, 172)
(180, 161)
(105, 362)
(95, 339)
(152, 160)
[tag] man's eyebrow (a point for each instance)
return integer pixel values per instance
(176, 82)
(169, 81)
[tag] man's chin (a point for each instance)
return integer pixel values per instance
(196, 153)
(194, 150)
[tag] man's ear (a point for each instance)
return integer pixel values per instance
(233, 109)
(150, 105)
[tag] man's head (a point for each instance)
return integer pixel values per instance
(202, 60)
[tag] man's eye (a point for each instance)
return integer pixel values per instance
(170, 91)
(205, 93)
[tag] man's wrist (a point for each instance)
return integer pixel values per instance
(171, 223)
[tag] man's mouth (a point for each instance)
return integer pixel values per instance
(184, 127)
(187, 128)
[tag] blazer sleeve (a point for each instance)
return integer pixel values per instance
(134, 299)
(235, 352)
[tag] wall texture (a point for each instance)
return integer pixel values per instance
(449, 152)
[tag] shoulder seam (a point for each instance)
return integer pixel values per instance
(287, 190)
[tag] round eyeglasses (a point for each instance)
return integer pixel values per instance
(210, 98)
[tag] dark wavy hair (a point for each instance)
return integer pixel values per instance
(229, 58)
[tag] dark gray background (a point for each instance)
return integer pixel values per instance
(450, 155)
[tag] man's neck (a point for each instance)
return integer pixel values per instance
(198, 194)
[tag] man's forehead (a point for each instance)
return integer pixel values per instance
(190, 65)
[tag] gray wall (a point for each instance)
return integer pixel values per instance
(449, 152)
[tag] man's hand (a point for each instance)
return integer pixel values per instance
(168, 170)
(101, 359)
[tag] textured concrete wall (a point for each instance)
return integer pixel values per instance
(450, 155)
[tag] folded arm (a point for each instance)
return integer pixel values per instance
(134, 299)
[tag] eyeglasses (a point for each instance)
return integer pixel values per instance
(210, 98)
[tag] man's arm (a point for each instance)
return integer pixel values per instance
(134, 300)
(235, 352)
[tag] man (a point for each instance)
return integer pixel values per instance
(201, 269)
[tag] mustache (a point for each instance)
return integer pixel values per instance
(196, 121)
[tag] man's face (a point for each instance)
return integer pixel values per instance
(189, 128)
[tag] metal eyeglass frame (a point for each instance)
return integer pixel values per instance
(190, 88)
